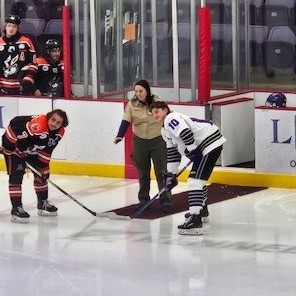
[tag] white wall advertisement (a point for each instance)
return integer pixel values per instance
(275, 138)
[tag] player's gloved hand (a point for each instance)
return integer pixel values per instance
(117, 140)
(20, 153)
(27, 86)
(194, 154)
(44, 172)
(169, 180)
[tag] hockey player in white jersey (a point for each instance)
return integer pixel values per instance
(201, 142)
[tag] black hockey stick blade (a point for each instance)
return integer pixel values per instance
(147, 204)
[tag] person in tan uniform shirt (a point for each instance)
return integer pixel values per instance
(148, 143)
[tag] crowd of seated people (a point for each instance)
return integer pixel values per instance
(21, 72)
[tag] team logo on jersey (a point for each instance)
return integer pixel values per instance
(11, 49)
(21, 46)
(52, 142)
(34, 150)
(43, 136)
(45, 68)
(11, 66)
(55, 70)
(1, 47)
(35, 127)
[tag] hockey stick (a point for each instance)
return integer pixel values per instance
(147, 204)
(110, 215)
(60, 189)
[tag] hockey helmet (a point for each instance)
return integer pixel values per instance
(276, 100)
(13, 19)
(51, 44)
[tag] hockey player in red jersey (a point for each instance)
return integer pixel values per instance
(201, 142)
(17, 60)
(31, 139)
(49, 78)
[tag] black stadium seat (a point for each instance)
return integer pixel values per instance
(279, 49)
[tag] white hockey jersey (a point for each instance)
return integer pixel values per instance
(206, 135)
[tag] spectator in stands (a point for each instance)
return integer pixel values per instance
(49, 78)
(17, 60)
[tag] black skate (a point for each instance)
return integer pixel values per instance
(45, 208)
(191, 226)
(205, 214)
(19, 215)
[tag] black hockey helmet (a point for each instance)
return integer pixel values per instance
(13, 19)
(51, 44)
(276, 100)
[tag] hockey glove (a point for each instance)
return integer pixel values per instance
(194, 155)
(169, 180)
(44, 175)
(27, 86)
(117, 140)
(19, 153)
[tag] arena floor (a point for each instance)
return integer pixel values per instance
(248, 247)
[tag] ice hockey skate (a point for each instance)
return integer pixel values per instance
(19, 215)
(191, 226)
(45, 208)
(205, 214)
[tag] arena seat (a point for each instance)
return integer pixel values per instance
(279, 49)
(275, 15)
(34, 27)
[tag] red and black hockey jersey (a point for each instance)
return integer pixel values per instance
(17, 60)
(30, 134)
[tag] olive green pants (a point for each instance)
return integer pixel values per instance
(143, 152)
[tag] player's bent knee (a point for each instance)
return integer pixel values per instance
(16, 179)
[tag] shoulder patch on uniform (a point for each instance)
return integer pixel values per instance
(35, 126)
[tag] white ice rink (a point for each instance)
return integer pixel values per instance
(248, 249)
